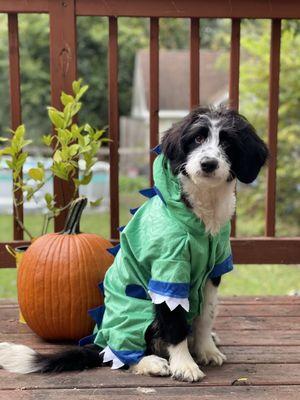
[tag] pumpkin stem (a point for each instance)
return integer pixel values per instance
(72, 225)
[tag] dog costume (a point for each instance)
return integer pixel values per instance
(164, 255)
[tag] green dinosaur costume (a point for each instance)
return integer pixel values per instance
(165, 255)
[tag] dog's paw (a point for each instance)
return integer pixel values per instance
(151, 365)
(187, 371)
(208, 353)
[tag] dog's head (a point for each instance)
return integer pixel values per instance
(211, 146)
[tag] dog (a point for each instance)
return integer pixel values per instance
(205, 153)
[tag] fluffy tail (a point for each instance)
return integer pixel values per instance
(24, 360)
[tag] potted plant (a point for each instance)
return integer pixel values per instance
(71, 144)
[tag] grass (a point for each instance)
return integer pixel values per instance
(244, 280)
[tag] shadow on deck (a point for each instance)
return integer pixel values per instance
(260, 336)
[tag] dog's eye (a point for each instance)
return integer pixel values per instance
(199, 139)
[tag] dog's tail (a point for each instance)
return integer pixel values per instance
(24, 360)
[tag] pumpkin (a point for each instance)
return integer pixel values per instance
(58, 279)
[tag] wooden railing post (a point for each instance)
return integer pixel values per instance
(15, 108)
(154, 89)
(113, 107)
(273, 126)
(63, 71)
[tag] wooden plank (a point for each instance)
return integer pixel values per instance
(9, 322)
(194, 63)
(15, 109)
(266, 250)
(12, 303)
(259, 310)
(256, 374)
(7, 261)
(273, 126)
(257, 323)
(234, 78)
(188, 8)
(113, 126)
(259, 338)
(154, 89)
(63, 71)
(174, 393)
(21, 6)
(260, 300)
(261, 354)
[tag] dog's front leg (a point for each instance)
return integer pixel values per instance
(173, 329)
(204, 346)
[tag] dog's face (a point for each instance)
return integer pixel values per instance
(212, 146)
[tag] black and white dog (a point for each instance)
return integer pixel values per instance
(208, 150)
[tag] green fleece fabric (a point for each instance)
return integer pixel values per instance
(164, 248)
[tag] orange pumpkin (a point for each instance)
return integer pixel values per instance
(58, 279)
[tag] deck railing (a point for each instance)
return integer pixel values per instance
(63, 60)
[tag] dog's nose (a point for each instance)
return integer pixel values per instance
(209, 164)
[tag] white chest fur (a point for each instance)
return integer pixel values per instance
(213, 205)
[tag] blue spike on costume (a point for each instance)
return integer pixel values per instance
(149, 192)
(121, 228)
(114, 250)
(157, 149)
(101, 287)
(133, 210)
(97, 314)
(87, 340)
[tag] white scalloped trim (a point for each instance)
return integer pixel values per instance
(110, 356)
(172, 302)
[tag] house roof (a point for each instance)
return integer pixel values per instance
(174, 78)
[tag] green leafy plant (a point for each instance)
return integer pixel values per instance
(71, 144)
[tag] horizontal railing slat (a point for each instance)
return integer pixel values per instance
(191, 8)
(260, 250)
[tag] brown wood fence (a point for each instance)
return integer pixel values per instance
(63, 60)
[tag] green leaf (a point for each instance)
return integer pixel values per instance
(48, 199)
(96, 203)
(81, 92)
(3, 139)
(73, 149)
(57, 156)
(20, 131)
(76, 86)
(47, 139)
(66, 98)
(9, 164)
(56, 117)
(37, 174)
(86, 179)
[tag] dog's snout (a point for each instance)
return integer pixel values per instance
(209, 164)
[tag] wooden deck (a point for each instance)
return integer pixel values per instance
(260, 336)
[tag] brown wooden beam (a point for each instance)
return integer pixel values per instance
(63, 71)
(154, 89)
(262, 250)
(15, 110)
(114, 128)
(24, 6)
(266, 250)
(191, 8)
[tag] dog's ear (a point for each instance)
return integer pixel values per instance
(171, 144)
(250, 152)
(172, 141)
